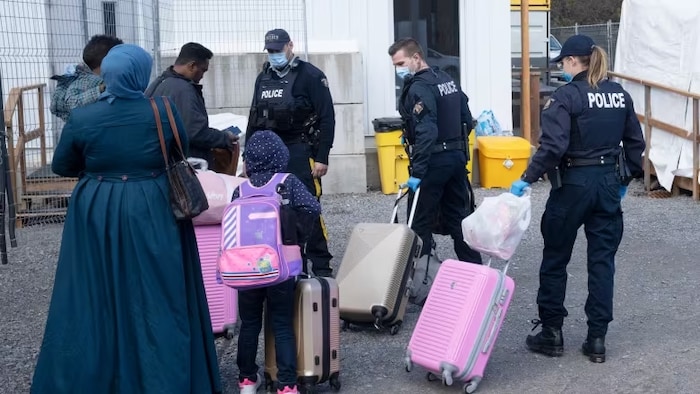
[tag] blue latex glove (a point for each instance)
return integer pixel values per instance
(518, 187)
(413, 183)
(623, 191)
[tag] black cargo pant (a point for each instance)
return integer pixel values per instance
(300, 164)
(445, 189)
(589, 196)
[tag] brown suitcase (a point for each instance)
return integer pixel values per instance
(317, 330)
(225, 161)
(375, 276)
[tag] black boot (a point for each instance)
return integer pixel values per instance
(549, 341)
(594, 349)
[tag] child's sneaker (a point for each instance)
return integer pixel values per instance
(247, 386)
(288, 390)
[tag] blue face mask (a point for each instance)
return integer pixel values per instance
(278, 60)
(403, 72)
(567, 77)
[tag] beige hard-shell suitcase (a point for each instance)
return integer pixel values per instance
(317, 331)
(376, 273)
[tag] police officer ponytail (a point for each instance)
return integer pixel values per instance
(597, 65)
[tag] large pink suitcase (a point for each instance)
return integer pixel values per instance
(222, 300)
(460, 321)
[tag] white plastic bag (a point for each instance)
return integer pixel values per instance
(498, 224)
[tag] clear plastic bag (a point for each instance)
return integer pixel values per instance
(498, 224)
(486, 124)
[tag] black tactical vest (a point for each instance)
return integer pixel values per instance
(275, 109)
(449, 103)
(600, 125)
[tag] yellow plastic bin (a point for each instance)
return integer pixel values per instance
(502, 160)
(393, 160)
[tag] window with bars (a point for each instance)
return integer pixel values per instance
(109, 17)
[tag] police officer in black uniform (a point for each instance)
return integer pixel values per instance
(292, 99)
(583, 125)
(437, 124)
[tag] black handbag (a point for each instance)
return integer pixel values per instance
(187, 198)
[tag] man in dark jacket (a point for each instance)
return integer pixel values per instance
(180, 82)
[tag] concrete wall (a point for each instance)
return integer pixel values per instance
(228, 87)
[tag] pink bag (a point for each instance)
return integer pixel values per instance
(459, 324)
(219, 190)
(252, 252)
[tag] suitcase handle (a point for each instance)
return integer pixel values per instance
(505, 267)
(401, 194)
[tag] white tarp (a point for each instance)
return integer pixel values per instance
(659, 40)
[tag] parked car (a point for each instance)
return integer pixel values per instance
(446, 63)
(554, 47)
(554, 51)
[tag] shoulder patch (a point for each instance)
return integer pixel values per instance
(548, 103)
(324, 81)
(418, 108)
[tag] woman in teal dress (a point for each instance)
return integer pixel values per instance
(128, 313)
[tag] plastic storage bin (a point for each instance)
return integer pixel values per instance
(393, 160)
(502, 160)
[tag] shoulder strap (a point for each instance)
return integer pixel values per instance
(269, 189)
(173, 127)
(159, 126)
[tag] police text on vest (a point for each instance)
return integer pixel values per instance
(447, 88)
(606, 100)
(267, 94)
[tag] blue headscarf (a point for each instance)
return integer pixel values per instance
(125, 70)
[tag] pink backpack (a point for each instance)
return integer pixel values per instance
(252, 252)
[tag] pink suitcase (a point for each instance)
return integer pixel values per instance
(223, 303)
(459, 324)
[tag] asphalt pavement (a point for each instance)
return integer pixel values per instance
(652, 345)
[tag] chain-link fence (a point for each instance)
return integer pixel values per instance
(604, 35)
(43, 38)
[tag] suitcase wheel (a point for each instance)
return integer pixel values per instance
(308, 388)
(431, 377)
(229, 333)
(335, 382)
(471, 386)
(408, 363)
(446, 378)
(345, 325)
(393, 330)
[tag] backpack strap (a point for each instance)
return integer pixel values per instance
(246, 189)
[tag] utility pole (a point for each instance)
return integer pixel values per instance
(525, 73)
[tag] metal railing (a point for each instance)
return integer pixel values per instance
(650, 122)
(38, 192)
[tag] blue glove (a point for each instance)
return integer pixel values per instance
(413, 183)
(623, 191)
(518, 187)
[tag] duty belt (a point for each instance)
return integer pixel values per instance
(599, 161)
(449, 145)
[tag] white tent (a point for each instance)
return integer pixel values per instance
(659, 41)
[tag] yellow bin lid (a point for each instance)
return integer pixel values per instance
(504, 146)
